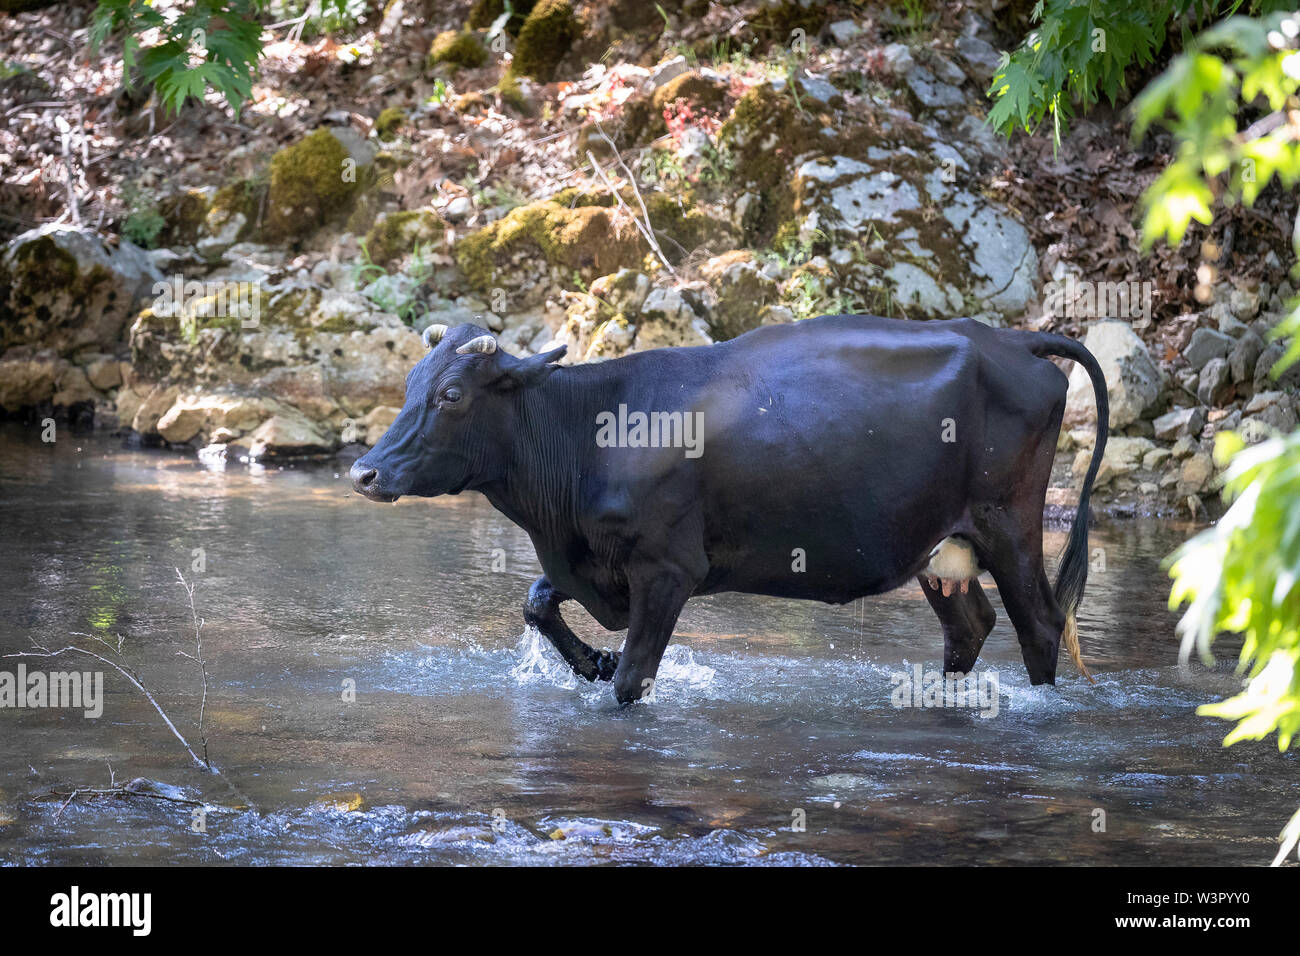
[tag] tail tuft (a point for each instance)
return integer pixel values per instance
(1071, 638)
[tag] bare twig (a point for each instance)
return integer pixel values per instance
(65, 135)
(130, 675)
(197, 657)
(646, 231)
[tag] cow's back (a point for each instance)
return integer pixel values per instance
(835, 450)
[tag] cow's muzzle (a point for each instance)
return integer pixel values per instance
(365, 481)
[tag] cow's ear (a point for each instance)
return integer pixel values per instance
(531, 370)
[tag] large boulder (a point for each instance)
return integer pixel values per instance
(973, 257)
(1132, 379)
(64, 288)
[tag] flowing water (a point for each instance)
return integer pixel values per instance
(774, 738)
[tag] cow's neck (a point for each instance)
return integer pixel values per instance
(551, 440)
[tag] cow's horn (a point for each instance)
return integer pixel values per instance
(433, 335)
(484, 343)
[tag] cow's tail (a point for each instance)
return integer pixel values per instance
(1072, 575)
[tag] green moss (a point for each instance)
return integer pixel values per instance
(183, 215)
(396, 234)
(581, 240)
(686, 227)
(775, 22)
(307, 185)
(484, 13)
(389, 121)
(763, 135)
(43, 266)
(512, 93)
(693, 87)
(546, 36)
(463, 48)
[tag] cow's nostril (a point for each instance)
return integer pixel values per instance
(363, 476)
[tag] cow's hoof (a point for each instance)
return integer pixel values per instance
(606, 664)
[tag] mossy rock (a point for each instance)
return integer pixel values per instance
(458, 48)
(512, 93)
(308, 186)
(388, 122)
(183, 216)
(776, 20)
(693, 87)
(64, 288)
(582, 239)
(468, 102)
(764, 134)
(686, 227)
(485, 12)
(546, 36)
(396, 234)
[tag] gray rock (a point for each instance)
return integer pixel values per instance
(980, 58)
(668, 70)
(844, 31)
(898, 58)
(1207, 344)
(813, 88)
(64, 288)
(361, 150)
(931, 92)
(1214, 383)
(1180, 421)
(979, 134)
(1244, 356)
(459, 209)
(1264, 367)
(946, 70)
(1227, 322)
(1244, 304)
(1132, 379)
(1268, 421)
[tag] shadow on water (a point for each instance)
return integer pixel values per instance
(774, 738)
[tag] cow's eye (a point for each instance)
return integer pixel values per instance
(451, 395)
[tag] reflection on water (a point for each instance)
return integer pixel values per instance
(773, 739)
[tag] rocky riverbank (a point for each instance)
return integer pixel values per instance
(828, 158)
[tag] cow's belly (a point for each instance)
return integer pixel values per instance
(830, 511)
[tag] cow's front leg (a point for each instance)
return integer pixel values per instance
(657, 598)
(542, 611)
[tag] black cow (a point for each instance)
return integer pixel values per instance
(827, 459)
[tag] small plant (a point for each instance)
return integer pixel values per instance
(143, 222)
(441, 94)
(390, 298)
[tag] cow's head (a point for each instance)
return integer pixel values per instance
(454, 431)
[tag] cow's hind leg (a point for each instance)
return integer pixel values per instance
(1009, 544)
(967, 617)
(542, 611)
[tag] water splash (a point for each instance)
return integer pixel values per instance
(680, 667)
(540, 663)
